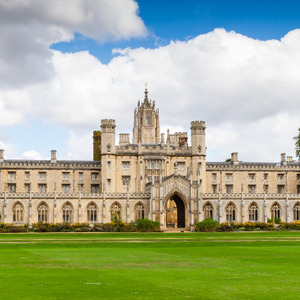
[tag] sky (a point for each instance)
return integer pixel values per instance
(65, 65)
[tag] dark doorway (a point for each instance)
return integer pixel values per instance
(175, 212)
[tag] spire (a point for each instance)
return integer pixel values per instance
(146, 93)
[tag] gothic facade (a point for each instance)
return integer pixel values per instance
(159, 177)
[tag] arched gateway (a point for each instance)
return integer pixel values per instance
(175, 212)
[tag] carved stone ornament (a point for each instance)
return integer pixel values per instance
(199, 149)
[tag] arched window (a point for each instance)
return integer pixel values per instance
(230, 212)
(115, 211)
(208, 211)
(253, 212)
(297, 212)
(139, 211)
(18, 213)
(43, 213)
(275, 211)
(67, 213)
(92, 213)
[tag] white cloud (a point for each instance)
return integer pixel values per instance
(246, 90)
(32, 154)
(29, 27)
(79, 146)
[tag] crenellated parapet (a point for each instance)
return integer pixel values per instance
(108, 125)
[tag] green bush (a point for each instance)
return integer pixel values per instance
(226, 227)
(146, 225)
(207, 225)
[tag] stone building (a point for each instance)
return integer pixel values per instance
(159, 177)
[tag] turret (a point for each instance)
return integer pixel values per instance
(198, 152)
(108, 136)
(198, 138)
(1, 155)
(146, 129)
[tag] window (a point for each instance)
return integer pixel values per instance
(251, 189)
(181, 166)
(108, 181)
(266, 188)
(95, 176)
(208, 211)
(67, 213)
(18, 213)
(27, 174)
(298, 177)
(280, 177)
(229, 189)
(214, 188)
(27, 187)
(275, 211)
(297, 212)
(42, 175)
(80, 176)
(251, 177)
(42, 188)
(43, 213)
(66, 188)
(280, 189)
(11, 175)
(95, 188)
(139, 211)
(125, 180)
(125, 165)
(298, 189)
(66, 175)
(11, 187)
(265, 177)
(253, 213)
(115, 211)
(229, 177)
(230, 212)
(92, 213)
(214, 177)
(147, 120)
(80, 187)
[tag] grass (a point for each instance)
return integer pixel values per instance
(234, 265)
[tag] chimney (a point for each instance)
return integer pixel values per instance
(283, 159)
(1, 155)
(53, 156)
(234, 158)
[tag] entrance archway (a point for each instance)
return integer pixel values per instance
(175, 212)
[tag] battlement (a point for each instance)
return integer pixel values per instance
(197, 124)
(108, 122)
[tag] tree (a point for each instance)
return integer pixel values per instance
(297, 144)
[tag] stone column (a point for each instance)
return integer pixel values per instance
(103, 205)
(242, 206)
(54, 209)
(127, 206)
(264, 207)
(29, 211)
(219, 208)
(79, 209)
(287, 199)
(4, 208)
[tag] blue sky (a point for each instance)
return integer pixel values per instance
(224, 62)
(180, 20)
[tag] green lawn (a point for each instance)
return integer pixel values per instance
(236, 265)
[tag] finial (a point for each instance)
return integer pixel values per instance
(146, 92)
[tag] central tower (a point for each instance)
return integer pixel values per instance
(146, 122)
